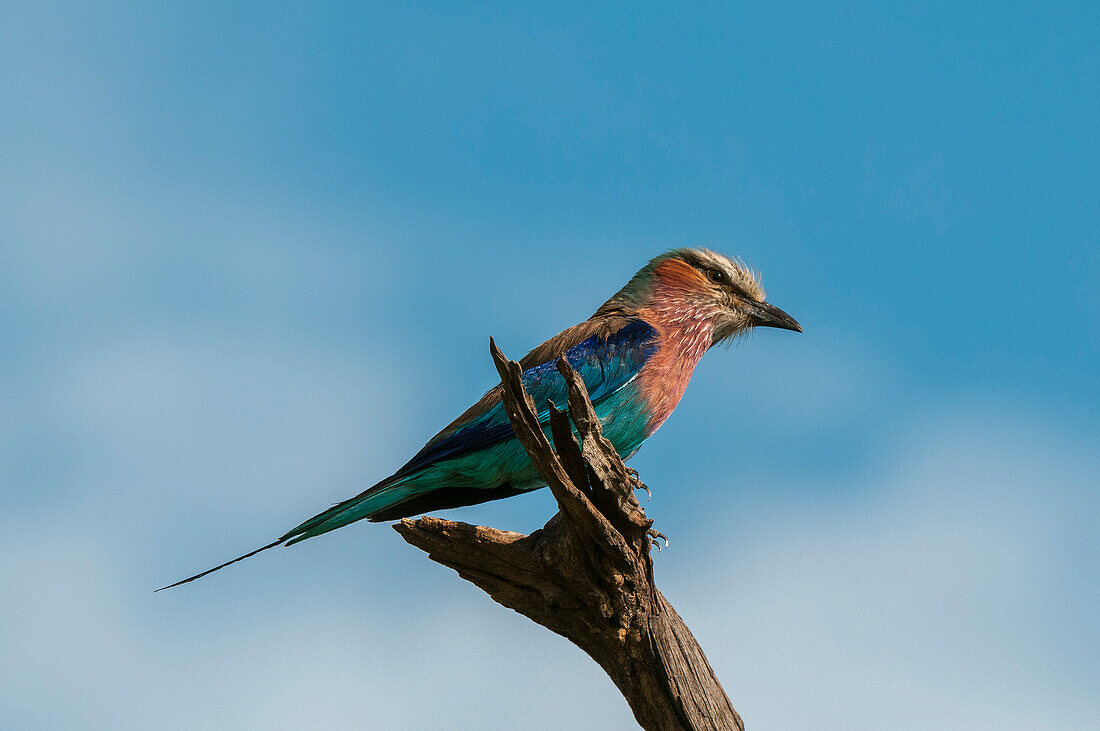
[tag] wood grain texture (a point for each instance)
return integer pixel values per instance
(587, 574)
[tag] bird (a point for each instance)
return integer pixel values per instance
(635, 354)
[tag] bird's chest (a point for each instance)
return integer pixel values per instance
(663, 380)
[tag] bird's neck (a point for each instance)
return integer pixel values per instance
(684, 334)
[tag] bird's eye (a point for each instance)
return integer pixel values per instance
(717, 276)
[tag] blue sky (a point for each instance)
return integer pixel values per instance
(250, 259)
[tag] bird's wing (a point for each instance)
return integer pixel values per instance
(607, 356)
(607, 352)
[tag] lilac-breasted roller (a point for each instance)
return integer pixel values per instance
(636, 355)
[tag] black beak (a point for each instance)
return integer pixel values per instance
(765, 315)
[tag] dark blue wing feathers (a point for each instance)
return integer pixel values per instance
(605, 365)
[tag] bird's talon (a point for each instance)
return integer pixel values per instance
(654, 535)
(638, 484)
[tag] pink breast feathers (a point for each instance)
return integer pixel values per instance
(683, 338)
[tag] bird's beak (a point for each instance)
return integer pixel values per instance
(766, 315)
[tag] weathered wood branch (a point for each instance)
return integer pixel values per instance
(587, 574)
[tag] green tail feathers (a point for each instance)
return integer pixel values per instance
(391, 499)
(381, 497)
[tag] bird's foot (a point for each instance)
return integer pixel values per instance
(655, 535)
(638, 484)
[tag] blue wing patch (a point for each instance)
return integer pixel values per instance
(605, 365)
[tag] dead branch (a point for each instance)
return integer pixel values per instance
(587, 574)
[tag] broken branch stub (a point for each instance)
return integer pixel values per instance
(587, 574)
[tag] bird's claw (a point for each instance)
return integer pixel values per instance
(638, 484)
(655, 535)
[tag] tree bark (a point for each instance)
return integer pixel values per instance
(587, 574)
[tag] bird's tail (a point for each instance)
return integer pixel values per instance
(222, 566)
(367, 504)
(381, 497)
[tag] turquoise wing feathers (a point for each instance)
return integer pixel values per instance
(605, 366)
(482, 449)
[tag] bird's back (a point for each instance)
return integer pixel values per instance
(477, 457)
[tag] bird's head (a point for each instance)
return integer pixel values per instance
(702, 285)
